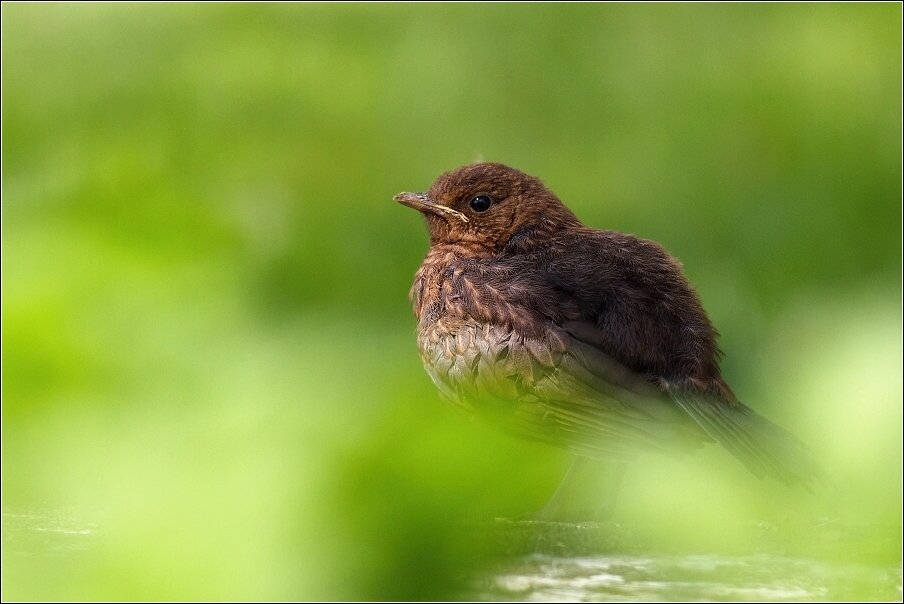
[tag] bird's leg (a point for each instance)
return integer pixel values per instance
(591, 498)
(552, 509)
(611, 489)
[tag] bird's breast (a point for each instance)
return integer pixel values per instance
(467, 361)
(487, 352)
(493, 372)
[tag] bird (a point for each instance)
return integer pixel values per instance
(590, 340)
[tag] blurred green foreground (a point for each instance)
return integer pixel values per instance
(211, 388)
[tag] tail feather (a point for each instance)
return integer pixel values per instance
(764, 448)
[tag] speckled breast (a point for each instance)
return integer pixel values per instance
(489, 371)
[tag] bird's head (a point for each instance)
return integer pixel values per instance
(484, 205)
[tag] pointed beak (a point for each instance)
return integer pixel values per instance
(422, 203)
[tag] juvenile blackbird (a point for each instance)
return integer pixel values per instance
(589, 340)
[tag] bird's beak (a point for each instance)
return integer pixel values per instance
(422, 203)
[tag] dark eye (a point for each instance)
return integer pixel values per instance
(481, 203)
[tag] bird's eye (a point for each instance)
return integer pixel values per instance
(481, 203)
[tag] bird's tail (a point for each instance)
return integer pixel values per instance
(764, 448)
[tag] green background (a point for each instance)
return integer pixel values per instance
(209, 366)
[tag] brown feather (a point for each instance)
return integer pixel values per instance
(585, 339)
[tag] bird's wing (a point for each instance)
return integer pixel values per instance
(763, 447)
(602, 405)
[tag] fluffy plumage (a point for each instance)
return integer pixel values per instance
(584, 339)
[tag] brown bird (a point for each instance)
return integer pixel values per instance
(589, 340)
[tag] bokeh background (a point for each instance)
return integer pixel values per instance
(210, 383)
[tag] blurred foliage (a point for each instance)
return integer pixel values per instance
(207, 351)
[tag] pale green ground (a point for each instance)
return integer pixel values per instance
(210, 383)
